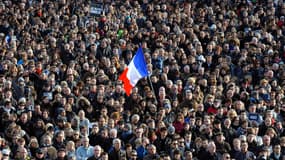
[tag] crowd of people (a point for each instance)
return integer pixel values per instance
(215, 90)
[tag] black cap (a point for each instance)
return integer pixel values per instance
(264, 149)
(216, 121)
(61, 149)
(2, 73)
(7, 100)
(219, 134)
(39, 151)
(176, 152)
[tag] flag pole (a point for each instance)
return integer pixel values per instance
(150, 82)
(153, 92)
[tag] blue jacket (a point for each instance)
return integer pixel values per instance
(83, 153)
(141, 151)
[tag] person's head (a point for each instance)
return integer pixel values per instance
(220, 137)
(34, 143)
(97, 151)
(21, 142)
(22, 153)
(145, 141)
(188, 94)
(81, 114)
(227, 122)
(252, 108)
(282, 141)
(5, 154)
(128, 148)
(117, 143)
(217, 124)
(180, 118)
(277, 149)
(236, 144)
(268, 121)
(85, 141)
(176, 155)
(151, 124)
(61, 153)
(167, 106)
(211, 148)
(226, 156)
(60, 136)
(244, 146)
(151, 149)
(163, 132)
(271, 132)
(113, 133)
(188, 155)
(139, 132)
(243, 116)
(188, 136)
(206, 120)
(24, 117)
(266, 140)
(40, 153)
(135, 118)
(181, 142)
(70, 146)
(104, 156)
(134, 154)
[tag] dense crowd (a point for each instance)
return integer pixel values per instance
(215, 90)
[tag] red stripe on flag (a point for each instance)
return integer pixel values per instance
(127, 85)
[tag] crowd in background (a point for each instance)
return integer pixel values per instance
(215, 90)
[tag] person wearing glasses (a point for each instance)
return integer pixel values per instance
(5, 154)
(134, 155)
(226, 156)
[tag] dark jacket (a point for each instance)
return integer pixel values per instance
(223, 147)
(272, 157)
(209, 156)
(162, 144)
(117, 155)
(245, 156)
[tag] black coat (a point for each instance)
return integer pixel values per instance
(272, 157)
(118, 155)
(162, 144)
(208, 156)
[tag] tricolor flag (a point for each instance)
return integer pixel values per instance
(135, 71)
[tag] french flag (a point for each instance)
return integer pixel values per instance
(135, 71)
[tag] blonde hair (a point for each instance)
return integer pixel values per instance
(232, 114)
(34, 140)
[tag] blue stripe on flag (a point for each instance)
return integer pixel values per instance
(140, 63)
